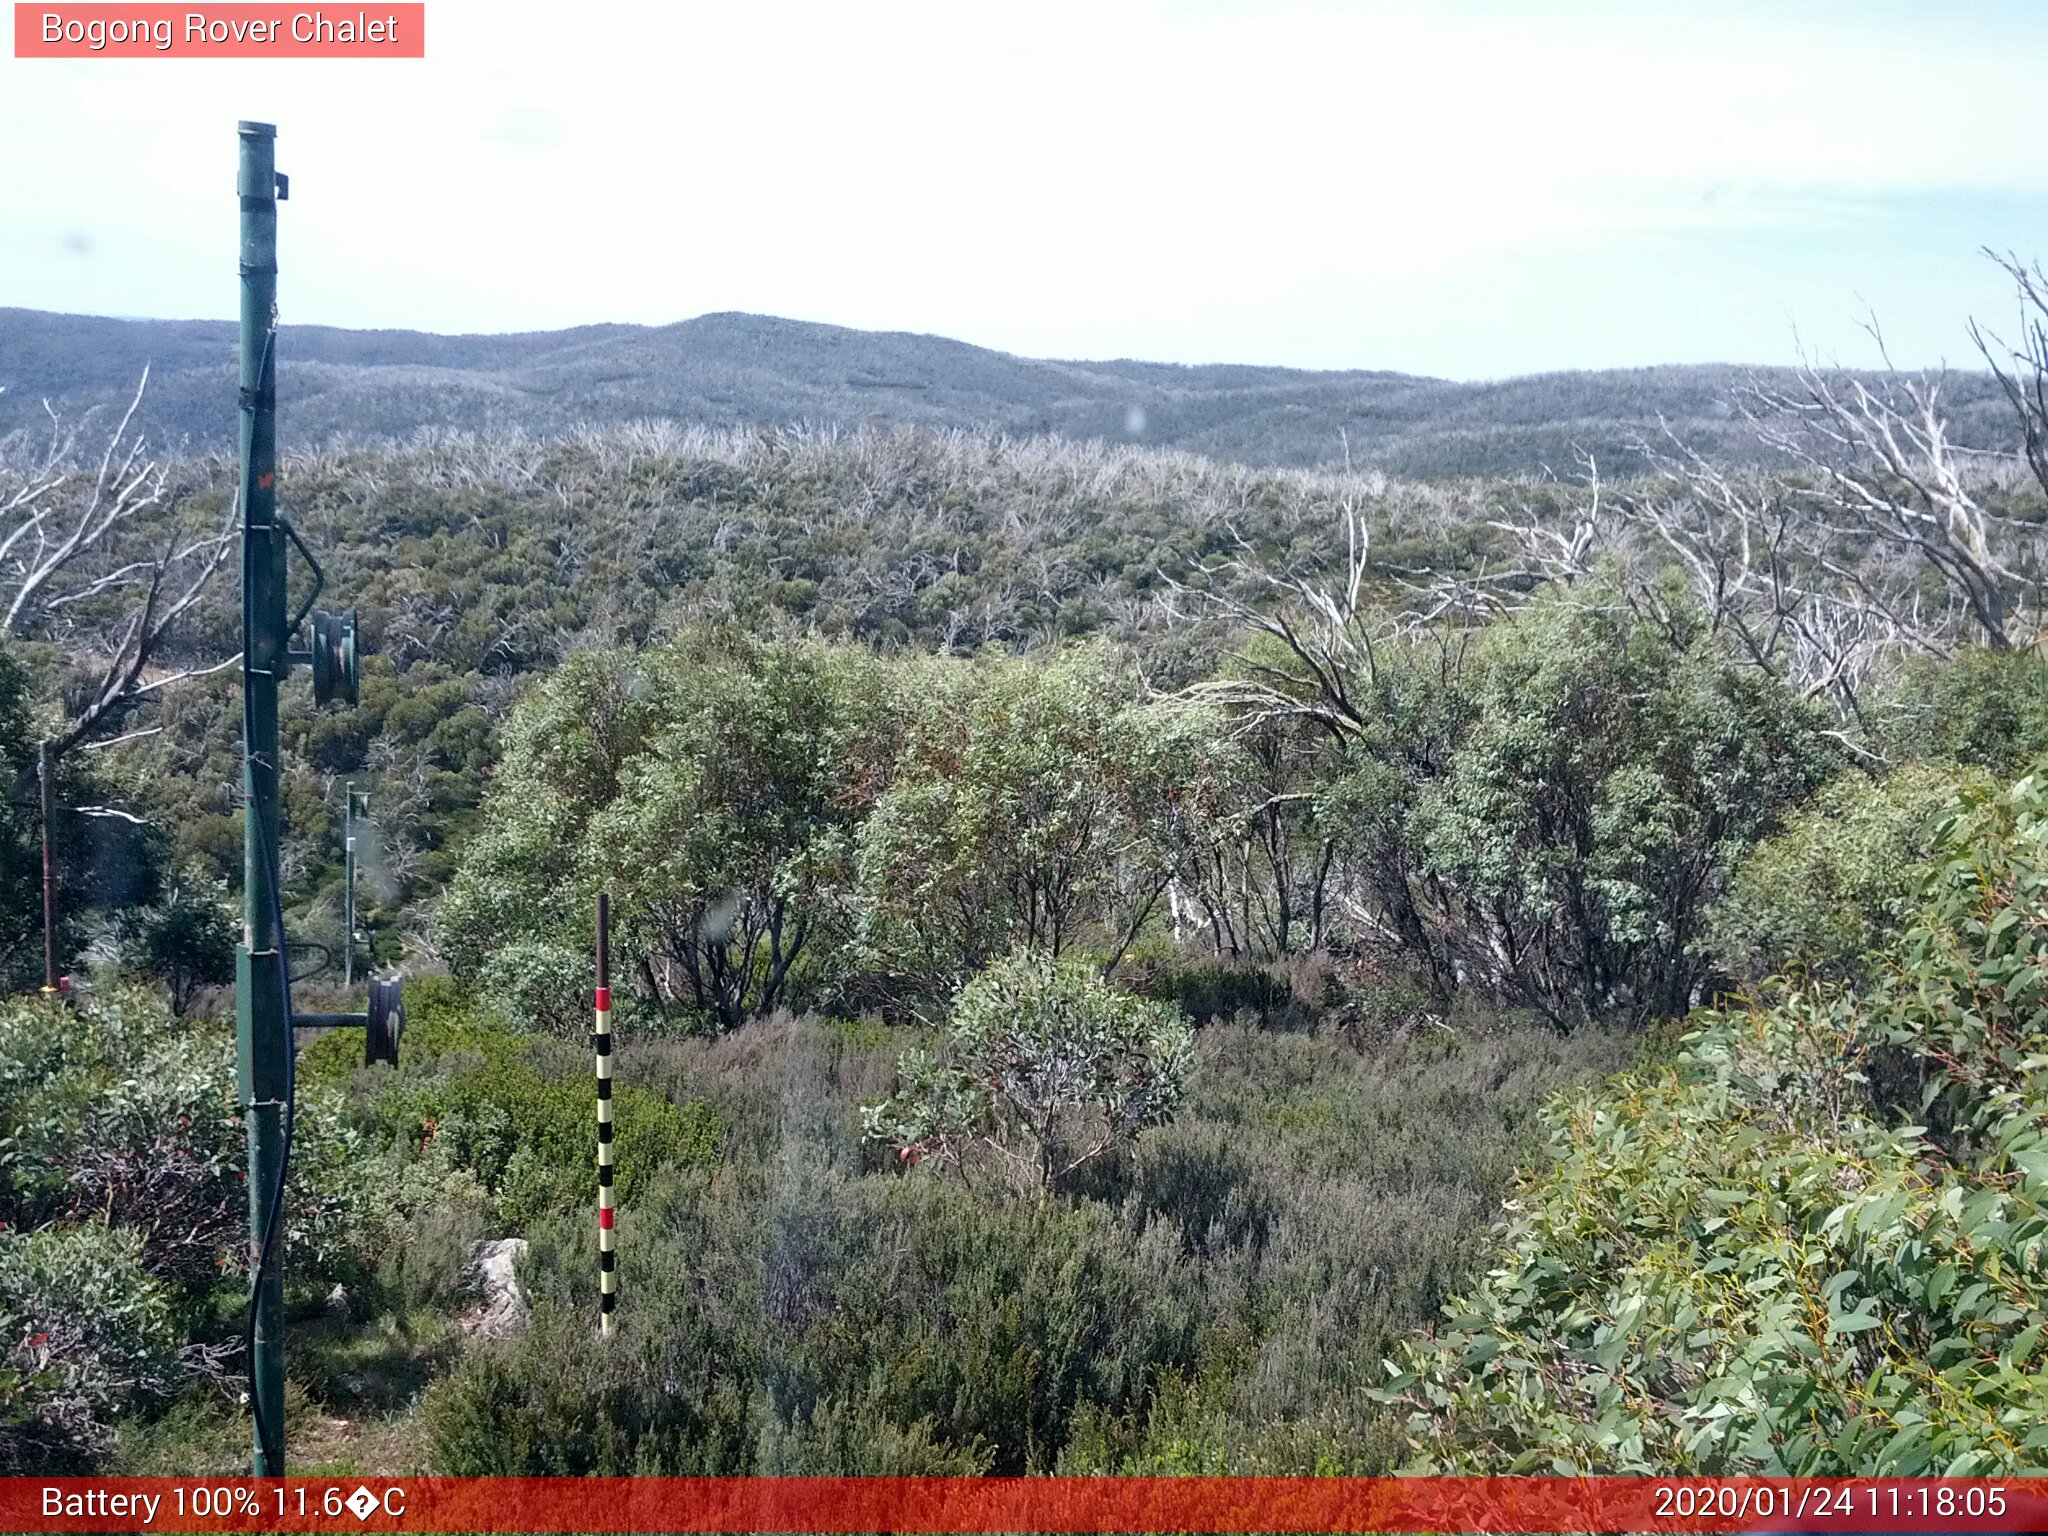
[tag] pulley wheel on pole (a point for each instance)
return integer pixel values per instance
(336, 674)
(385, 1025)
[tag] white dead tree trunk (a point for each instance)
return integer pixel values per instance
(96, 561)
(1818, 569)
(2021, 367)
(1326, 633)
(1878, 466)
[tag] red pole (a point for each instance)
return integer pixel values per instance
(607, 1235)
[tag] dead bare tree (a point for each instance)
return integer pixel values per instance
(2022, 367)
(1798, 600)
(1327, 634)
(1877, 465)
(97, 562)
(1817, 570)
(1565, 556)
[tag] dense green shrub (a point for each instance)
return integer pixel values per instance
(1762, 1260)
(88, 1336)
(856, 1322)
(1259, 863)
(1984, 708)
(1612, 773)
(1540, 808)
(711, 786)
(785, 821)
(1029, 806)
(540, 986)
(1818, 898)
(561, 754)
(1044, 1068)
(517, 1112)
(729, 846)
(1206, 990)
(117, 1112)
(1220, 1297)
(552, 1404)
(185, 939)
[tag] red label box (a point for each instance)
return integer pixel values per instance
(236, 31)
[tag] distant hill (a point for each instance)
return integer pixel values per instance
(735, 369)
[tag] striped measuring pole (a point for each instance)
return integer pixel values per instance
(607, 1211)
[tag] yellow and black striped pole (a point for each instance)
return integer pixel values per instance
(607, 1233)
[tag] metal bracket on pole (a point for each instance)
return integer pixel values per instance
(383, 1025)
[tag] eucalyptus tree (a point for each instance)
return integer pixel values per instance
(712, 785)
(1040, 807)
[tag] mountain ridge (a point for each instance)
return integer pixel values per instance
(731, 368)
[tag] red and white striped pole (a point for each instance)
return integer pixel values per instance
(607, 1234)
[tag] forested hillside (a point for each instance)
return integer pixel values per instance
(756, 370)
(1100, 934)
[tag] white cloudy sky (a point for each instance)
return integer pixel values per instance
(1468, 189)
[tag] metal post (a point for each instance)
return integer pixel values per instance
(348, 943)
(46, 770)
(607, 1235)
(262, 1028)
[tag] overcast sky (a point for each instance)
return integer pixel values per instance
(1469, 190)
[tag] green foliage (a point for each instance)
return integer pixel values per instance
(1225, 1287)
(540, 986)
(730, 840)
(1612, 772)
(485, 568)
(1820, 897)
(1262, 832)
(789, 821)
(1815, 1246)
(1211, 991)
(118, 1113)
(562, 753)
(475, 1096)
(1984, 708)
(875, 1322)
(1044, 1066)
(1030, 807)
(123, 1216)
(1543, 812)
(1541, 809)
(186, 940)
(710, 786)
(88, 1336)
(1971, 980)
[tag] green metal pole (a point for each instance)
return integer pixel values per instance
(46, 771)
(262, 1029)
(348, 906)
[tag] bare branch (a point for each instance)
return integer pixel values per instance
(94, 563)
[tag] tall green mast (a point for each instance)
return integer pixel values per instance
(262, 1018)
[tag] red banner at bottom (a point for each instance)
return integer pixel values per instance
(1052, 1504)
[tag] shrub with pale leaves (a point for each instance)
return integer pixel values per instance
(1044, 1068)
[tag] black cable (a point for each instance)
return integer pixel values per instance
(326, 959)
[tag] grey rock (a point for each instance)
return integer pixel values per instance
(504, 1307)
